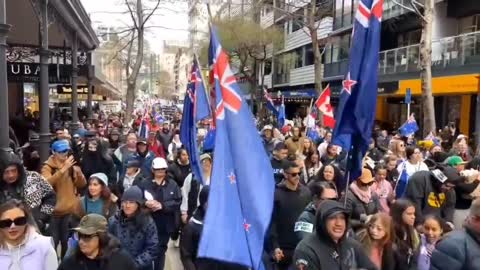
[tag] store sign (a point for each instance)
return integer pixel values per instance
(67, 89)
(30, 72)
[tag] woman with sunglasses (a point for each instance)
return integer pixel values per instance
(97, 249)
(21, 246)
(362, 203)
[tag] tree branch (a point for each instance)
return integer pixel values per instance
(151, 13)
(131, 14)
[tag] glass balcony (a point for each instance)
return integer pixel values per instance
(446, 53)
(391, 9)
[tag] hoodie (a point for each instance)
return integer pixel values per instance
(319, 252)
(30, 188)
(65, 185)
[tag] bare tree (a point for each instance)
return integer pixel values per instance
(429, 123)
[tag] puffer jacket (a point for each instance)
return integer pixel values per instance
(359, 210)
(305, 224)
(460, 250)
(319, 252)
(138, 236)
(30, 188)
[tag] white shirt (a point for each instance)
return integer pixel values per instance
(411, 168)
(187, 186)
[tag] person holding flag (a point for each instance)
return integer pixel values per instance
(241, 191)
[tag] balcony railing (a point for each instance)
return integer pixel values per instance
(446, 52)
(391, 9)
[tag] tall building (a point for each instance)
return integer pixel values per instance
(289, 71)
(175, 61)
(455, 60)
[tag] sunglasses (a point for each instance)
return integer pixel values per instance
(63, 152)
(86, 237)
(368, 184)
(7, 223)
(293, 174)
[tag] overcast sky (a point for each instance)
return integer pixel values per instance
(172, 16)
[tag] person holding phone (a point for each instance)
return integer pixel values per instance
(66, 178)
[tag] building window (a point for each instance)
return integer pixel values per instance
(338, 13)
(268, 66)
(328, 53)
(296, 25)
(309, 56)
(298, 57)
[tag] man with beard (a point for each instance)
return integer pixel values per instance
(328, 248)
(165, 136)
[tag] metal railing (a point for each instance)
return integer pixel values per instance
(446, 52)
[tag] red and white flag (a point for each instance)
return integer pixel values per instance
(323, 105)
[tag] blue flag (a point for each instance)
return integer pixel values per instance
(202, 109)
(269, 101)
(358, 99)
(241, 191)
(188, 127)
(281, 115)
(409, 127)
(209, 142)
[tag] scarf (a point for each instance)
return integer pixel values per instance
(364, 196)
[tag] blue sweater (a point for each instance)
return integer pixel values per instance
(92, 207)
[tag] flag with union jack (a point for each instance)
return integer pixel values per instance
(240, 202)
(358, 99)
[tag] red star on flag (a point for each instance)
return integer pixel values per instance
(348, 84)
(246, 226)
(232, 178)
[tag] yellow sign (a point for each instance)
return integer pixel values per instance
(448, 85)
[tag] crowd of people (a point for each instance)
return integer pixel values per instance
(112, 200)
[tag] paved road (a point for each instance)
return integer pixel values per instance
(172, 260)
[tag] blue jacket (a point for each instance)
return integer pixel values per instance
(460, 250)
(138, 237)
(145, 163)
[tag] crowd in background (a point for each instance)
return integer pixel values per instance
(111, 199)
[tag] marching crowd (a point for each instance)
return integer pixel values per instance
(111, 200)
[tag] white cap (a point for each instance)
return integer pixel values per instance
(159, 163)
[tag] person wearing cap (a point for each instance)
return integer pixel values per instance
(135, 229)
(290, 200)
(191, 188)
(96, 249)
(361, 202)
(29, 187)
(145, 157)
(432, 192)
(163, 198)
(66, 178)
(98, 198)
(133, 177)
(268, 141)
(456, 162)
(329, 247)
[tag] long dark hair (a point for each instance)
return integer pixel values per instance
(405, 236)
(337, 175)
(12, 204)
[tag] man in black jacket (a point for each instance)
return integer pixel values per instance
(321, 191)
(328, 248)
(163, 198)
(290, 200)
(279, 160)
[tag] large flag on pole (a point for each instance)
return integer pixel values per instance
(202, 108)
(409, 127)
(281, 118)
(188, 126)
(358, 99)
(242, 186)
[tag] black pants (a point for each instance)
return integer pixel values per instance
(60, 231)
(163, 239)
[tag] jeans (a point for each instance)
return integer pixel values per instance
(59, 228)
(163, 239)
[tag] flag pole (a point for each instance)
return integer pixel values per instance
(203, 81)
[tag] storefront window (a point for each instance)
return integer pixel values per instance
(30, 96)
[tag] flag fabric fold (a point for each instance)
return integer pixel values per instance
(269, 101)
(241, 191)
(188, 126)
(409, 127)
(202, 108)
(281, 114)
(356, 111)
